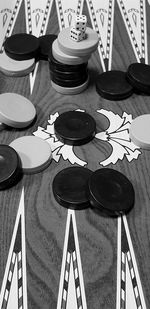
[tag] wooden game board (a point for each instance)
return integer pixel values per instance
(51, 257)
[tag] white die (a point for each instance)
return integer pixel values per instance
(80, 22)
(76, 35)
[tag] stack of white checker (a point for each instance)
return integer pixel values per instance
(77, 33)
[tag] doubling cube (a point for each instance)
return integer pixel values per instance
(80, 22)
(77, 35)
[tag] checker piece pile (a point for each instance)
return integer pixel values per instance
(70, 54)
(68, 58)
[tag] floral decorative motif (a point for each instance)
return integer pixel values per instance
(58, 148)
(117, 135)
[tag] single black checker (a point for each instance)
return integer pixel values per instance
(10, 167)
(111, 192)
(113, 85)
(45, 45)
(22, 46)
(70, 187)
(75, 128)
(138, 75)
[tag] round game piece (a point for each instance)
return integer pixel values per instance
(10, 167)
(15, 110)
(45, 43)
(70, 187)
(34, 152)
(56, 65)
(21, 46)
(69, 75)
(75, 128)
(140, 131)
(112, 85)
(70, 90)
(111, 192)
(11, 67)
(68, 82)
(138, 75)
(66, 59)
(82, 48)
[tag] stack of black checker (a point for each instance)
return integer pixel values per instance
(68, 76)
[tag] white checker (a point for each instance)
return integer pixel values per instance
(67, 59)
(11, 67)
(15, 110)
(140, 131)
(34, 152)
(82, 48)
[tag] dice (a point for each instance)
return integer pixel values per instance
(80, 22)
(77, 32)
(77, 35)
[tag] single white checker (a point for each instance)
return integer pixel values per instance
(82, 48)
(140, 131)
(18, 73)
(11, 67)
(15, 110)
(34, 152)
(67, 59)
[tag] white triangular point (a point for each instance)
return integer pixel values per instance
(33, 76)
(37, 15)
(102, 18)
(13, 294)
(71, 299)
(66, 11)
(129, 287)
(71, 286)
(134, 17)
(14, 286)
(130, 294)
(8, 13)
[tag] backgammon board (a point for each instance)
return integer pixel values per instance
(53, 257)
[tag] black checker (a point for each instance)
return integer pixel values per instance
(70, 188)
(138, 75)
(22, 46)
(111, 192)
(45, 45)
(75, 128)
(113, 85)
(10, 167)
(70, 83)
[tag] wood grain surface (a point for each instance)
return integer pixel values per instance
(45, 219)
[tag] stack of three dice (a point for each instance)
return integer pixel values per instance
(70, 54)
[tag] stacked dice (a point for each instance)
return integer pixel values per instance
(68, 61)
(77, 33)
